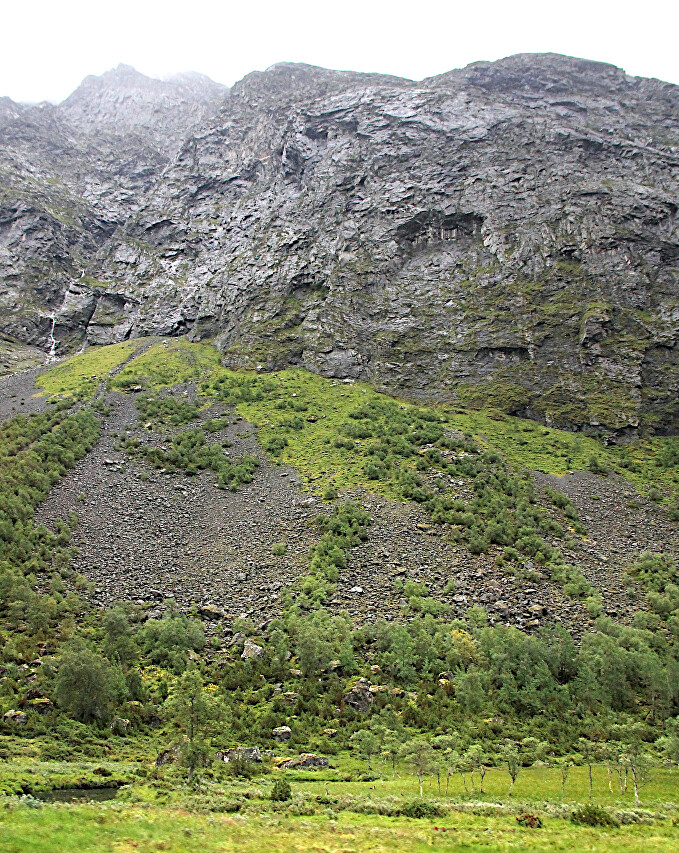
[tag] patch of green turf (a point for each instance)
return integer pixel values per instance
(81, 374)
(310, 412)
(167, 363)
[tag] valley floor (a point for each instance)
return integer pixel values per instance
(331, 814)
(123, 829)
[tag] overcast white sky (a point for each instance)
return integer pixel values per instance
(48, 46)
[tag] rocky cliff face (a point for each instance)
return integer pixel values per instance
(69, 176)
(505, 234)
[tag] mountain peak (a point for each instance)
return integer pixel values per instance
(124, 98)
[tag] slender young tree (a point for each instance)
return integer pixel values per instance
(391, 751)
(420, 756)
(588, 751)
(478, 761)
(564, 765)
(512, 762)
(194, 716)
(639, 764)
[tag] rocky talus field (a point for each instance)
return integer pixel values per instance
(148, 534)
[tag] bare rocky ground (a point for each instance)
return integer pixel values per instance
(620, 525)
(148, 536)
(18, 394)
(16, 357)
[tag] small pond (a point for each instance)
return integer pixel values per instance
(77, 795)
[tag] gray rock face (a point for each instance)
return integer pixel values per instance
(305, 760)
(504, 234)
(359, 698)
(69, 176)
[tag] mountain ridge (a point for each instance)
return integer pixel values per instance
(503, 234)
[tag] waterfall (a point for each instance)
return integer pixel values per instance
(51, 340)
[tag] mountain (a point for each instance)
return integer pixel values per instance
(504, 235)
(71, 174)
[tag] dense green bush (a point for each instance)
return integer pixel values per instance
(281, 791)
(166, 409)
(87, 686)
(169, 640)
(420, 809)
(592, 815)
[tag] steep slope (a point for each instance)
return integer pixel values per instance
(458, 511)
(505, 234)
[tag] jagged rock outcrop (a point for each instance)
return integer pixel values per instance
(503, 234)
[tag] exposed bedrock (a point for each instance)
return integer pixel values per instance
(503, 234)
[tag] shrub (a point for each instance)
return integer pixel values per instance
(596, 467)
(420, 809)
(242, 767)
(281, 791)
(275, 445)
(87, 686)
(591, 815)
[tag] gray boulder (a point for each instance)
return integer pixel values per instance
(359, 697)
(251, 650)
(242, 753)
(15, 718)
(307, 760)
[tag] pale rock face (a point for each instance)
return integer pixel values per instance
(510, 227)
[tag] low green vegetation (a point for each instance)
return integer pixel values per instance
(35, 452)
(167, 363)
(191, 453)
(342, 436)
(443, 732)
(658, 576)
(81, 375)
(99, 829)
(341, 531)
(164, 410)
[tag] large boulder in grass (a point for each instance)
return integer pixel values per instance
(41, 705)
(307, 760)
(241, 753)
(282, 733)
(14, 718)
